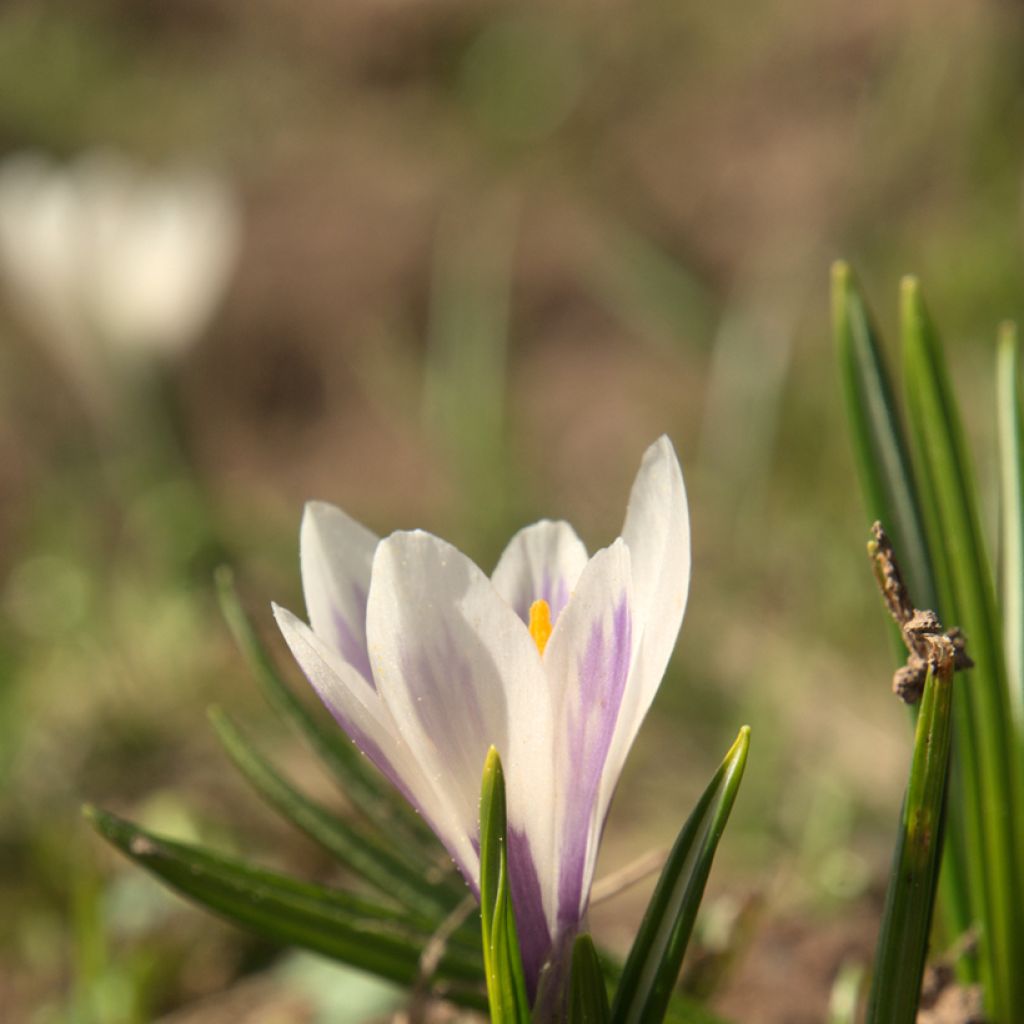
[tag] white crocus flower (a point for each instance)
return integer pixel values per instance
(110, 261)
(426, 662)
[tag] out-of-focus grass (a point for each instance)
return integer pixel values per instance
(490, 255)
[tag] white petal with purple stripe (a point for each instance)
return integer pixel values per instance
(541, 562)
(425, 663)
(588, 662)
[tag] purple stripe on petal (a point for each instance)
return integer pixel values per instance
(555, 591)
(447, 703)
(369, 748)
(352, 637)
(603, 670)
(531, 922)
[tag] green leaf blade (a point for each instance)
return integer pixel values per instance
(506, 984)
(652, 967)
(354, 930)
(987, 772)
(356, 848)
(893, 495)
(880, 445)
(1010, 424)
(588, 996)
(906, 920)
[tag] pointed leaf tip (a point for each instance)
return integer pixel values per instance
(651, 970)
(506, 984)
(841, 274)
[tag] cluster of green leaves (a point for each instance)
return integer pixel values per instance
(917, 477)
(644, 987)
(405, 914)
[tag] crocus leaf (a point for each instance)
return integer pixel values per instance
(356, 847)
(506, 984)
(906, 920)
(1010, 420)
(653, 964)
(880, 446)
(588, 997)
(892, 496)
(683, 1008)
(354, 930)
(987, 773)
(371, 794)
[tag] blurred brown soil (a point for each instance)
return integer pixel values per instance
(787, 973)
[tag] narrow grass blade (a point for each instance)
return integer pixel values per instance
(371, 794)
(892, 496)
(844, 999)
(653, 964)
(880, 446)
(588, 997)
(906, 921)
(358, 849)
(682, 1008)
(985, 763)
(351, 929)
(1010, 419)
(506, 984)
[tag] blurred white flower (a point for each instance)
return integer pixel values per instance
(108, 260)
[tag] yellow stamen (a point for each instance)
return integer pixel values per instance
(540, 624)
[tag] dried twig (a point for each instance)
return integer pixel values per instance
(928, 644)
(635, 871)
(430, 958)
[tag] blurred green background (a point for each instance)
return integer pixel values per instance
(489, 251)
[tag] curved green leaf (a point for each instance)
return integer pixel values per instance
(653, 964)
(352, 929)
(357, 848)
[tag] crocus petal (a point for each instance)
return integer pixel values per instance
(588, 662)
(657, 532)
(368, 723)
(541, 562)
(336, 554)
(459, 672)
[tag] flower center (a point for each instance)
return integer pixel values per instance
(540, 624)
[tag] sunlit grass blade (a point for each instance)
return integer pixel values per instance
(880, 446)
(985, 761)
(352, 929)
(653, 964)
(369, 857)
(371, 794)
(891, 492)
(845, 996)
(588, 997)
(906, 920)
(506, 985)
(1011, 518)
